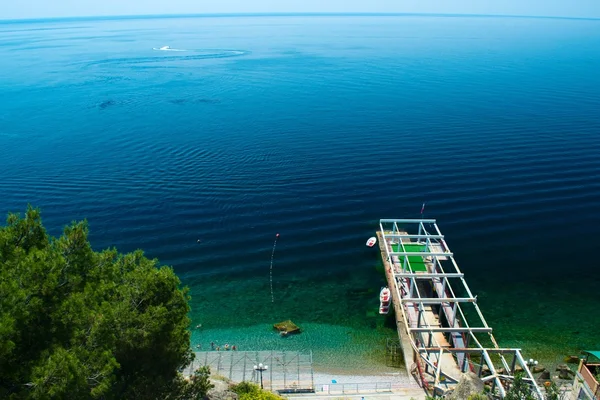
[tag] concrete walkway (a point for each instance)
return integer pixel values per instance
(403, 394)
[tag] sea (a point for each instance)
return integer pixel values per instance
(314, 127)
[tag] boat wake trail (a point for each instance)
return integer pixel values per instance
(174, 56)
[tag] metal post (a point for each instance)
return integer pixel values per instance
(455, 315)
(271, 371)
(312, 377)
(438, 369)
(443, 288)
(257, 361)
(260, 368)
(298, 358)
(480, 366)
(244, 373)
(528, 372)
(497, 382)
(465, 355)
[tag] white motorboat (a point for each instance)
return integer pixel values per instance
(385, 300)
(371, 242)
(166, 48)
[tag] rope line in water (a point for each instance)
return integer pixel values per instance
(271, 269)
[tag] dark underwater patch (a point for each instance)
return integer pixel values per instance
(107, 103)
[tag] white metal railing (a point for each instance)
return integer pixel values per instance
(357, 388)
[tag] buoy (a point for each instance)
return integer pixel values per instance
(271, 268)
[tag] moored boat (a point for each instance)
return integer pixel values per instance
(385, 299)
(371, 242)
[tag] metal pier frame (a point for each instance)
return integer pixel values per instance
(443, 350)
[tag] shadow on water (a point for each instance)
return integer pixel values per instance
(107, 103)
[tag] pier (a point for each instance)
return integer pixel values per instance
(441, 329)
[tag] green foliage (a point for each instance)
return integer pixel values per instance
(552, 392)
(75, 323)
(244, 387)
(520, 389)
(478, 396)
(194, 388)
(250, 391)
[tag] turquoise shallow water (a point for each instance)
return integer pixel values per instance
(314, 128)
(334, 347)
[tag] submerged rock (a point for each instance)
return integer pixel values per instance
(572, 360)
(564, 372)
(287, 327)
(545, 375)
(537, 368)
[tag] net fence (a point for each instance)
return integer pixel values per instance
(287, 370)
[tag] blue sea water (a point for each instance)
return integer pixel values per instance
(315, 128)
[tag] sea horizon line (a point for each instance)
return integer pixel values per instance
(286, 14)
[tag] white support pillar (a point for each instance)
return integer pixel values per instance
(443, 288)
(490, 365)
(438, 369)
(455, 314)
(528, 372)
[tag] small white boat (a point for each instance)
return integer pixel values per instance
(385, 299)
(166, 48)
(371, 242)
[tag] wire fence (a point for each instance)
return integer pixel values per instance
(286, 370)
